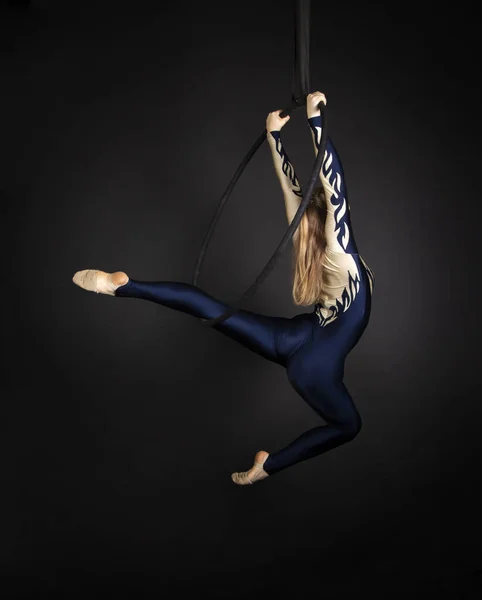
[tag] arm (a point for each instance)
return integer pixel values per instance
(284, 169)
(338, 228)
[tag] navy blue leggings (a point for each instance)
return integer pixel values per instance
(313, 357)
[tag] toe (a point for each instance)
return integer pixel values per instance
(241, 478)
(79, 277)
(237, 478)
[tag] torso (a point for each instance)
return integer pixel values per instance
(348, 280)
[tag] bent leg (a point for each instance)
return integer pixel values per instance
(334, 404)
(254, 331)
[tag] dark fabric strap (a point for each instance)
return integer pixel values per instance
(300, 90)
(289, 233)
(239, 171)
(301, 46)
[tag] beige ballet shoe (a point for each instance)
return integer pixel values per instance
(256, 473)
(99, 281)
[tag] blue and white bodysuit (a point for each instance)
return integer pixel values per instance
(313, 346)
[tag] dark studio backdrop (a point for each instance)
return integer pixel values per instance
(123, 420)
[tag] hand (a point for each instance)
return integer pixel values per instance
(274, 122)
(312, 102)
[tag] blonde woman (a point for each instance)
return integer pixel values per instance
(329, 274)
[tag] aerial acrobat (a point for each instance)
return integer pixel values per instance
(329, 274)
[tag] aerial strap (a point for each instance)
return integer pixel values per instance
(301, 47)
(301, 86)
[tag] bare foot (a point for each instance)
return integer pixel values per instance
(99, 281)
(256, 473)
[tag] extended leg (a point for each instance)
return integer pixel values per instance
(254, 331)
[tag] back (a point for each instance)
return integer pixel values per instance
(348, 281)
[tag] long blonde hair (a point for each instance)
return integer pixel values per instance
(309, 245)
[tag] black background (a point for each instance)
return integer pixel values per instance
(123, 420)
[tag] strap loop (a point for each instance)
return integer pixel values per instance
(300, 90)
(290, 231)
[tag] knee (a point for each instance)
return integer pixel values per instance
(351, 426)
